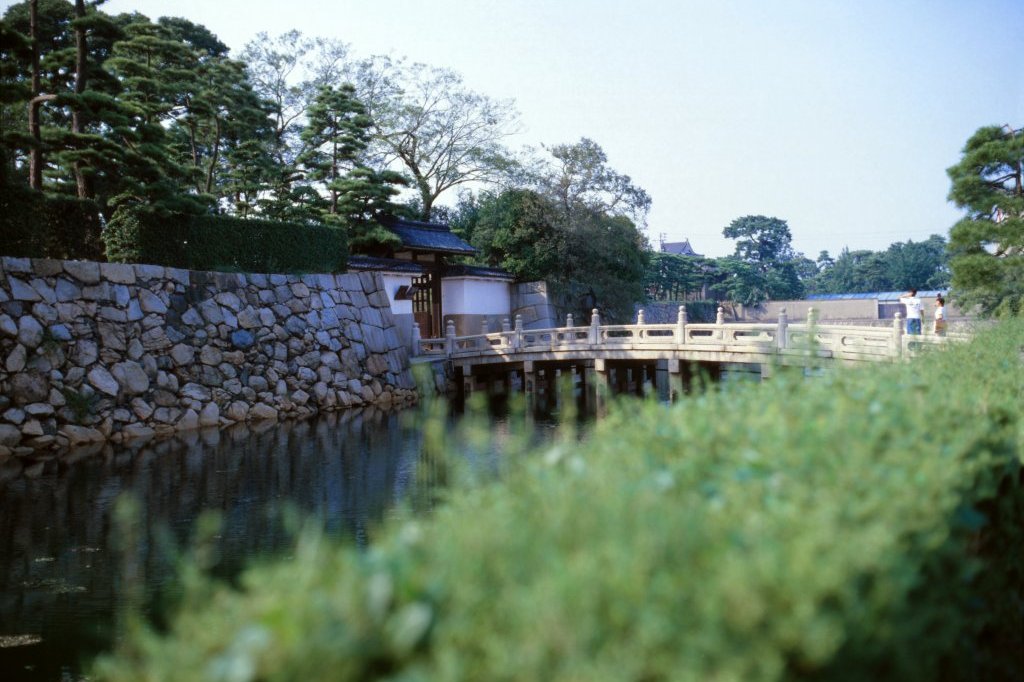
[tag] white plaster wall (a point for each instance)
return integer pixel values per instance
(391, 284)
(472, 296)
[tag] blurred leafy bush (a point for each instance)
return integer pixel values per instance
(867, 524)
(204, 242)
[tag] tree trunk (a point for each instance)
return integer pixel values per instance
(82, 179)
(35, 162)
(214, 157)
(427, 197)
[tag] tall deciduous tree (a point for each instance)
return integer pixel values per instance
(428, 124)
(580, 180)
(987, 245)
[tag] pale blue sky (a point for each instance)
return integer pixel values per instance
(839, 117)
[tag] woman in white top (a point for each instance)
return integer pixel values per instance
(940, 316)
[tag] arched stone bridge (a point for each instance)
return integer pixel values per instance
(635, 351)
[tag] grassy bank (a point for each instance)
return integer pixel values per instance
(864, 525)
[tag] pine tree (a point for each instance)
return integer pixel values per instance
(987, 246)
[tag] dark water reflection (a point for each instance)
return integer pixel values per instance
(59, 571)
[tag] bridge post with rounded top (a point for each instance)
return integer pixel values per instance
(595, 327)
(812, 317)
(518, 340)
(569, 321)
(485, 327)
(449, 338)
(640, 317)
(681, 325)
(505, 326)
(720, 315)
(782, 333)
(897, 336)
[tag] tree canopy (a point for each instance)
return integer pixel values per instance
(987, 246)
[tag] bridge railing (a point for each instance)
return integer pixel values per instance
(844, 342)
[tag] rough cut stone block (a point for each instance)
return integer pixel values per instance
(368, 282)
(16, 264)
(44, 290)
(120, 294)
(229, 300)
(138, 432)
(8, 327)
(131, 377)
(66, 290)
(30, 332)
(210, 415)
(151, 303)
(119, 273)
(263, 411)
(179, 275)
(20, 291)
(103, 381)
(97, 292)
(148, 272)
(85, 272)
(211, 312)
(16, 359)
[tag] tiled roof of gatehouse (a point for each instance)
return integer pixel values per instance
(421, 236)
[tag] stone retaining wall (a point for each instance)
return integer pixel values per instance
(108, 351)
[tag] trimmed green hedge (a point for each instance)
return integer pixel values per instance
(203, 242)
(863, 525)
(36, 225)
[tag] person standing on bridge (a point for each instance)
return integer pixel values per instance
(913, 305)
(940, 316)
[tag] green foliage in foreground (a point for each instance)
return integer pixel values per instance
(205, 242)
(867, 524)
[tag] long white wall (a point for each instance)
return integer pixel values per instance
(473, 296)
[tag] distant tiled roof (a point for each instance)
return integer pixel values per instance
(419, 236)
(682, 248)
(372, 264)
(886, 296)
(477, 271)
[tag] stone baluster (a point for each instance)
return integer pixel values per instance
(681, 325)
(595, 327)
(485, 327)
(897, 336)
(720, 316)
(416, 337)
(505, 329)
(449, 338)
(640, 317)
(518, 340)
(569, 321)
(812, 317)
(782, 333)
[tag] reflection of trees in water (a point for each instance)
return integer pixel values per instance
(58, 573)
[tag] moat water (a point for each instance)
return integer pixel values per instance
(66, 564)
(69, 567)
